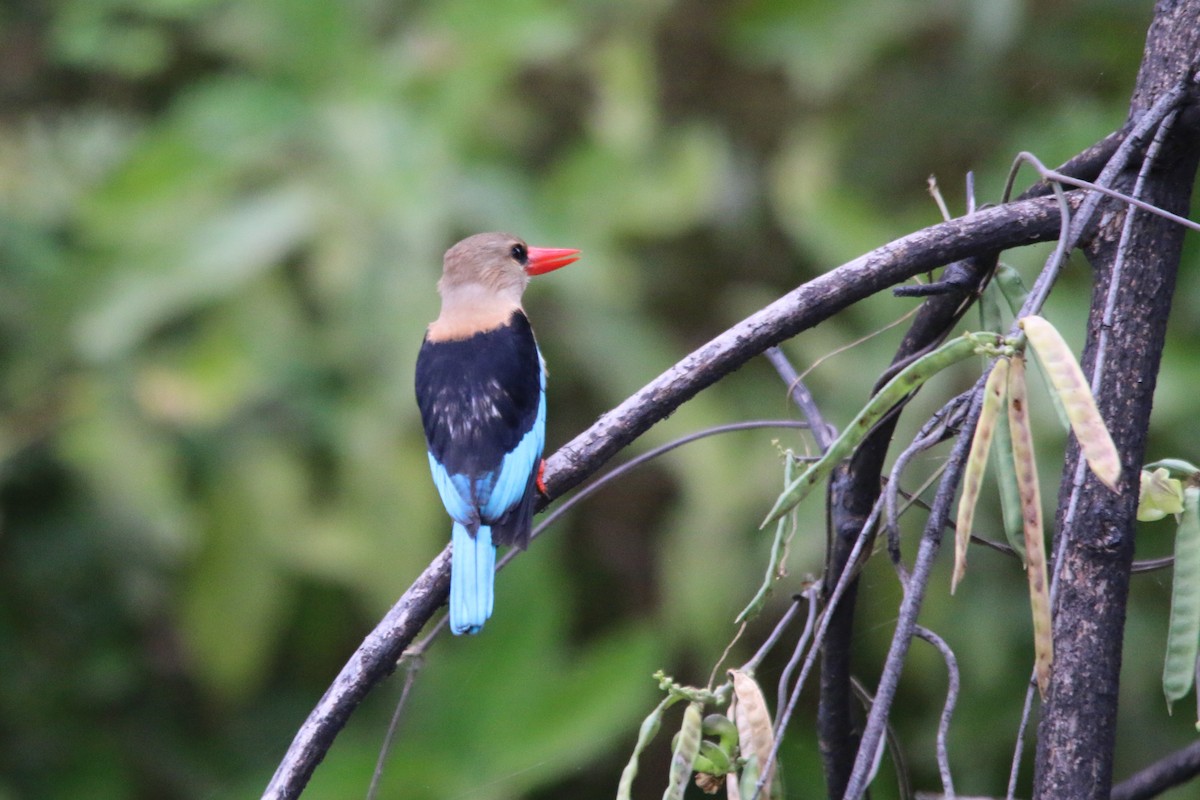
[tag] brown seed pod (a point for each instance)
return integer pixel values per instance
(981, 443)
(753, 720)
(1031, 513)
(1076, 396)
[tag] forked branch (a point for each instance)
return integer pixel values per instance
(1007, 226)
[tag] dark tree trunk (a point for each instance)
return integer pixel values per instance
(853, 491)
(1135, 280)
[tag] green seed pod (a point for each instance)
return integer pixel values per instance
(1185, 468)
(1006, 484)
(647, 731)
(712, 760)
(901, 386)
(993, 401)
(1183, 635)
(748, 780)
(1031, 512)
(1072, 389)
(1009, 282)
(785, 529)
(686, 749)
(722, 727)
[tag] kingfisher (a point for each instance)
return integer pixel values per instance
(481, 388)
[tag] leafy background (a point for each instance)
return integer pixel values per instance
(220, 226)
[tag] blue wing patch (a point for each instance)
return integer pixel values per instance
(483, 406)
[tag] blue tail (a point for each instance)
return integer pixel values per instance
(472, 573)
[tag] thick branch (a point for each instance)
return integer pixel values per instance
(855, 486)
(994, 229)
(1136, 259)
(853, 491)
(910, 606)
(1176, 769)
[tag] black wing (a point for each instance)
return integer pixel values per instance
(479, 396)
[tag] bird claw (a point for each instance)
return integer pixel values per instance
(541, 483)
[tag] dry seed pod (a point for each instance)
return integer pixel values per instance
(981, 443)
(1072, 389)
(708, 784)
(753, 721)
(1031, 513)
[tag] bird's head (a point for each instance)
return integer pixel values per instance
(498, 263)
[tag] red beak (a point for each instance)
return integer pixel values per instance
(546, 259)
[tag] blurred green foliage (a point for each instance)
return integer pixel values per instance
(220, 226)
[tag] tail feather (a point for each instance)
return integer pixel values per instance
(472, 575)
(513, 526)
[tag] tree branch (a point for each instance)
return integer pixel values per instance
(910, 607)
(1011, 225)
(1126, 331)
(855, 486)
(1176, 769)
(852, 493)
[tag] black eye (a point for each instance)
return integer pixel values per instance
(520, 253)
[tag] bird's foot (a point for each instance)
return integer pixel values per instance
(541, 483)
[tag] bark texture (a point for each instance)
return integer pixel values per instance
(1135, 267)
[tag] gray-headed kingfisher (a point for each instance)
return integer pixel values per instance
(481, 388)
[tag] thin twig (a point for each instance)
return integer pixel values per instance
(1152, 564)
(952, 684)
(767, 645)
(903, 779)
(844, 580)
(909, 608)
(913, 499)
(822, 432)
(936, 193)
(1026, 712)
(410, 678)
(1054, 264)
(811, 594)
(1132, 200)
(712, 676)
(637, 461)
(837, 351)
(891, 513)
